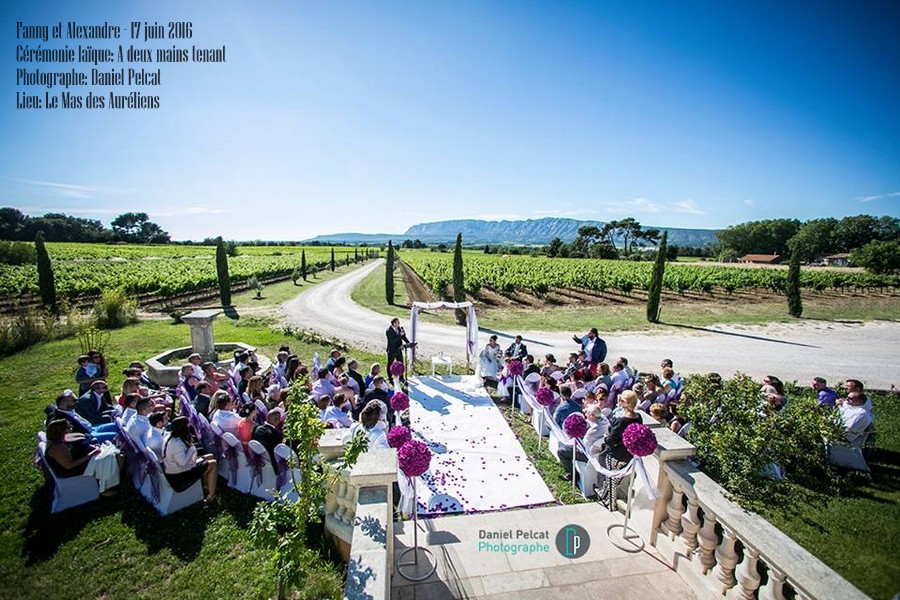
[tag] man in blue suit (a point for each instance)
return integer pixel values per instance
(94, 406)
(594, 348)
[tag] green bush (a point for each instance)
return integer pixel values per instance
(29, 326)
(114, 309)
(738, 442)
(17, 253)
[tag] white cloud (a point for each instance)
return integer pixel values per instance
(749, 202)
(688, 206)
(879, 197)
(71, 190)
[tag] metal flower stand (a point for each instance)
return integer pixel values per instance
(630, 540)
(417, 574)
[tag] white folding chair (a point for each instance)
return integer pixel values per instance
(69, 491)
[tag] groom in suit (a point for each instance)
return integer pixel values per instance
(517, 348)
(396, 337)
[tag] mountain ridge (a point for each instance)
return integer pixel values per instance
(506, 232)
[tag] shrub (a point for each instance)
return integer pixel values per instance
(17, 253)
(880, 257)
(114, 309)
(29, 326)
(738, 443)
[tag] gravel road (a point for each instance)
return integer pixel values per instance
(834, 350)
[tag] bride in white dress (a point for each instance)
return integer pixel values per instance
(490, 360)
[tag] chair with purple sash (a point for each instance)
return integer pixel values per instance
(239, 474)
(159, 493)
(66, 491)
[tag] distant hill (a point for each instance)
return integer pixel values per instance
(527, 232)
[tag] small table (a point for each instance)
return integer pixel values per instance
(441, 360)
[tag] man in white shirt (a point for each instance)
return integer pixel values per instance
(156, 437)
(226, 419)
(323, 385)
(619, 375)
(195, 359)
(139, 425)
(856, 418)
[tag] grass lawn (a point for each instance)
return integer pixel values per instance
(120, 547)
(370, 292)
(277, 293)
(858, 533)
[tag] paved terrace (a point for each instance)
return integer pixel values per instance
(463, 572)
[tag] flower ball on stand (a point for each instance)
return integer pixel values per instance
(639, 440)
(544, 396)
(400, 404)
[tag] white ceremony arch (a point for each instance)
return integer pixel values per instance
(471, 326)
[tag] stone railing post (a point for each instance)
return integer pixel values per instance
(690, 525)
(675, 508)
(726, 560)
(748, 575)
(774, 587)
(376, 469)
(708, 541)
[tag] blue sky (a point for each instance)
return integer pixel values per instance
(374, 116)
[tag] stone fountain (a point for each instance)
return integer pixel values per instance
(164, 368)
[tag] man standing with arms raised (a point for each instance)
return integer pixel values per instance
(594, 348)
(396, 337)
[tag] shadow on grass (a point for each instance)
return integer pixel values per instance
(182, 533)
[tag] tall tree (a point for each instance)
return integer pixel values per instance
(332, 259)
(795, 303)
(355, 254)
(656, 282)
(880, 257)
(459, 290)
(389, 275)
(46, 282)
(303, 264)
(815, 238)
(222, 272)
(759, 237)
(629, 231)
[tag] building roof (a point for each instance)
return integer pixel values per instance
(760, 258)
(837, 256)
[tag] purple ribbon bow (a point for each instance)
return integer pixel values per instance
(281, 472)
(257, 462)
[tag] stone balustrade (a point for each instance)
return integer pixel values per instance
(720, 549)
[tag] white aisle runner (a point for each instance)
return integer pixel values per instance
(478, 464)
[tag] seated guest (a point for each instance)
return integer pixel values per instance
(378, 391)
(604, 376)
(213, 376)
(241, 358)
(323, 402)
(158, 422)
(628, 370)
(323, 385)
(139, 425)
(856, 418)
(225, 417)
(268, 434)
(247, 413)
(86, 374)
(372, 426)
(332, 360)
(529, 365)
(187, 381)
(619, 375)
(592, 440)
(181, 465)
(216, 402)
(550, 366)
(195, 360)
(65, 409)
(95, 405)
(356, 378)
(68, 455)
(826, 395)
(566, 407)
(855, 385)
(130, 408)
(614, 455)
(339, 411)
(773, 395)
(517, 349)
(668, 379)
(339, 365)
(659, 412)
(201, 402)
(677, 382)
(142, 376)
(256, 390)
(345, 390)
(244, 376)
(279, 365)
(374, 371)
(572, 365)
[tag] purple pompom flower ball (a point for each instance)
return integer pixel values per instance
(397, 369)
(516, 368)
(399, 401)
(413, 457)
(398, 436)
(544, 396)
(575, 425)
(639, 440)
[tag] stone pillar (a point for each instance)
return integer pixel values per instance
(202, 333)
(377, 468)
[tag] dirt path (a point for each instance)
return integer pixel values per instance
(834, 350)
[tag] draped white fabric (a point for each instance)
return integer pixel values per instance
(471, 324)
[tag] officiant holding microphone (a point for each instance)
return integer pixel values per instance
(396, 341)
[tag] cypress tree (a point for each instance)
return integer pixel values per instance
(355, 255)
(46, 282)
(659, 269)
(303, 264)
(389, 275)
(459, 290)
(332, 259)
(795, 303)
(222, 272)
